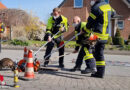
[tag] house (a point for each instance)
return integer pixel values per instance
(71, 8)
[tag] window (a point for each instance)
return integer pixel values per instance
(78, 3)
(107, 1)
(120, 24)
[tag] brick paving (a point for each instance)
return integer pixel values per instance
(117, 76)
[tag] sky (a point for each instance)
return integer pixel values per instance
(40, 8)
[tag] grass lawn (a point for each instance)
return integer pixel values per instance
(71, 44)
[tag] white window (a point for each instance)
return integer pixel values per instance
(78, 3)
(120, 24)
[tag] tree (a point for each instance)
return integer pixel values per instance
(22, 23)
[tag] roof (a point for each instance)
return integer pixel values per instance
(62, 3)
(2, 6)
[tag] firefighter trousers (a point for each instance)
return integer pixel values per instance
(49, 48)
(99, 56)
(85, 53)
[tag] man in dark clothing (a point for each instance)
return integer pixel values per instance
(99, 21)
(85, 51)
(56, 23)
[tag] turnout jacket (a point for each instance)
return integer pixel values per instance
(99, 19)
(54, 25)
(81, 39)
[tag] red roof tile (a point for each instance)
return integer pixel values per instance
(2, 6)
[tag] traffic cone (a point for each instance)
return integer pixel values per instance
(2, 82)
(25, 53)
(29, 70)
(22, 62)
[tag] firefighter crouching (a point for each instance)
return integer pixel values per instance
(99, 21)
(56, 22)
(85, 50)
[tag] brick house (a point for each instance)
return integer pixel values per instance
(71, 8)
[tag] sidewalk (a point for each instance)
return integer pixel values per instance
(117, 75)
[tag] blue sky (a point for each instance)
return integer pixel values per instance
(40, 8)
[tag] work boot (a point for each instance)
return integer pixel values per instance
(87, 71)
(45, 63)
(96, 75)
(75, 69)
(100, 72)
(61, 65)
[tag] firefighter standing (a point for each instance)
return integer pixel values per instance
(99, 21)
(85, 51)
(56, 23)
(2, 29)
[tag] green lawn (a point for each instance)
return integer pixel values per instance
(71, 44)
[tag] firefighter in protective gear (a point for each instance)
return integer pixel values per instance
(99, 21)
(2, 27)
(85, 51)
(56, 23)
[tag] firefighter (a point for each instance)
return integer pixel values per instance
(85, 51)
(2, 27)
(56, 22)
(99, 21)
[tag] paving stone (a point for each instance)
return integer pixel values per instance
(116, 78)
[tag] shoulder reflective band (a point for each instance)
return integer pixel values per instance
(100, 63)
(93, 16)
(88, 55)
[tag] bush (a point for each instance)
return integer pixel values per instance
(109, 40)
(128, 41)
(118, 33)
(118, 41)
(19, 42)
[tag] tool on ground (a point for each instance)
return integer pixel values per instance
(63, 45)
(16, 80)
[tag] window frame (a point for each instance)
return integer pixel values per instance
(78, 6)
(123, 24)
